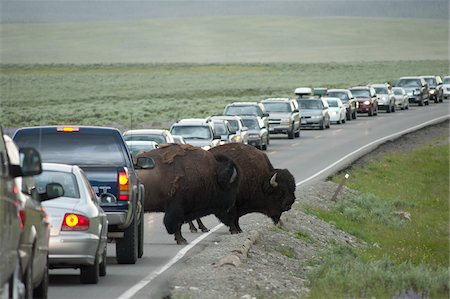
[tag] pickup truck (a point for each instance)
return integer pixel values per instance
(103, 155)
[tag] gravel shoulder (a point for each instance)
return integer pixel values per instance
(268, 261)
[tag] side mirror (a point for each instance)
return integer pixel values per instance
(233, 132)
(30, 162)
(217, 137)
(265, 114)
(145, 163)
(52, 190)
(296, 110)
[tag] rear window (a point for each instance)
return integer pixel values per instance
(67, 180)
(309, 104)
(277, 107)
(338, 94)
(74, 148)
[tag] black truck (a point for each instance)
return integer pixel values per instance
(103, 155)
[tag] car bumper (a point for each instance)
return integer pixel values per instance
(72, 249)
(311, 122)
(414, 98)
(254, 142)
(279, 128)
(335, 117)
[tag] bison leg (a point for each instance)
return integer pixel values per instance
(192, 227)
(202, 226)
(173, 219)
(179, 238)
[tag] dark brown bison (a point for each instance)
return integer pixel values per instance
(261, 188)
(187, 183)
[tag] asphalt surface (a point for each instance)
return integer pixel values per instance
(315, 155)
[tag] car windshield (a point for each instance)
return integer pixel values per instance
(192, 132)
(309, 104)
(277, 107)
(220, 128)
(431, 81)
(74, 148)
(411, 83)
(242, 110)
(234, 124)
(67, 180)
(145, 137)
(446, 80)
(337, 94)
(251, 124)
(137, 148)
(333, 103)
(361, 93)
(398, 92)
(381, 90)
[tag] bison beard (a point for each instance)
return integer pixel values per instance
(261, 188)
(188, 183)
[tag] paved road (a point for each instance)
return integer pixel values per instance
(313, 152)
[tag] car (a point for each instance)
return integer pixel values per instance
(386, 99)
(446, 88)
(347, 98)
(137, 146)
(367, 99)
(35, 234)
(401, 98)
(79, 226)
(179, 139)
(258, 135)
(416, 88)
(314, 112)
(435, 88)
(337, 109)
(197, 132)
(159, 136)
(241, 131)
(103, 155)
(223, 129)
(248, 108)
(284, 116)
(11, 218)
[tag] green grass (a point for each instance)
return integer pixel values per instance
(287, 251)
(402, 254)
(155, 95)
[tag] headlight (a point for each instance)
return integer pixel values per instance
(333, 112)
(236, 138)
(432, 91)
(366, 102)
(285, 120)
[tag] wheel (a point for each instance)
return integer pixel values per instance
(421, 103)
(343, 120)
(102, 266)
(16, 287)
(329, 124)
(127, 247)
(297, 134)
(28, 278)
(354, 114)
(90, 274)
(370, 113)
(322, 124)
(41, 291)
(348, 116)
(141, 235)
(427, 103)
(291, 133)
(388, 109)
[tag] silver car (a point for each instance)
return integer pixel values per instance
(284, 116)
(401, 98)
(386, 99)
(197, 132)
(160, 136)
(258, 135)
(78, 234)
(137, 146)
(241, 131)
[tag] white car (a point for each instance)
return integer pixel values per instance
(78, 234)
(337, 110)
(446, 87)
(157, 135)
(401, 98)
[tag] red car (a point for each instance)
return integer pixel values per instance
(367, 99)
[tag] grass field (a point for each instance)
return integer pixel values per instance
(155, 95)
(410, 256)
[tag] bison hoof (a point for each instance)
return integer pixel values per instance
(182, 242)
(205, 230)
(193, 230)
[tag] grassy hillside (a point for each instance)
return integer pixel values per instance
(155, 95)
(227, 40)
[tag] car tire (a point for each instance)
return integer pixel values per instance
(90, 274)
(102, 267)
(388, 109)
(393, 108)
(41, 291)
(28, 277)
(290, 133)
(354, 114)
(370, 113)
(348, 116)
(141, 234)
(343, 120)
(421, 103)
(329, 124)
(297, 134)
(427, 103)
(16, 288)
(127, 247)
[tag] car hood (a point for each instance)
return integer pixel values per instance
(310, 112)
(254, 132)
(199, 142)
(279, 115)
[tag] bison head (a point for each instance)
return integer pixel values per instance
(279, 189)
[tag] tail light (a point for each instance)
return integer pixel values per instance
(75, 222)
(124, 185)
(22, 218)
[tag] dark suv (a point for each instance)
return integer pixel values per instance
(347, 98)
(104, 157)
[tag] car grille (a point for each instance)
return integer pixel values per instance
(274, 121)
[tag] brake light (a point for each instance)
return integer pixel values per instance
(123, 185)
(68, 129)
(21, 214)
(75, 222)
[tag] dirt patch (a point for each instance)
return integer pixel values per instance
(279, 258)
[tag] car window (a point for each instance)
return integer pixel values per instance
(446, 80)
(220, 128)
(409, 83)
(277, 107)
(145, 137)
(431, 81)
(192, 132)
(309, 104)
(75, 149)
(243, 110)
(333, 103)
(381, 90)
(137, 148)
(336, 94)
(361, 93)
(398, 92)
(67, 180)
(234, 124)
(251, 124)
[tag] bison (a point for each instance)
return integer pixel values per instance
(261, 188)
(186, 183)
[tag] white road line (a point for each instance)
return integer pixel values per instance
(141, 284)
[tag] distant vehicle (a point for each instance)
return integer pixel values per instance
(197, 132)
(157, 135)
(137, 146)
(386, 99)
(446, 88)
(337, 110)
(416, 89)
(248, 108)
(401, 98)
(347, 98)
(258, 135)
(314, 112)
(11, 219)
(367, 99)
(78, 225)
(435, 88)
(284, 116)
(223, 129)
(103, 155)
(241, 135)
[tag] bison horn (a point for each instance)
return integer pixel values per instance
(273, 180)
(233, 176)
